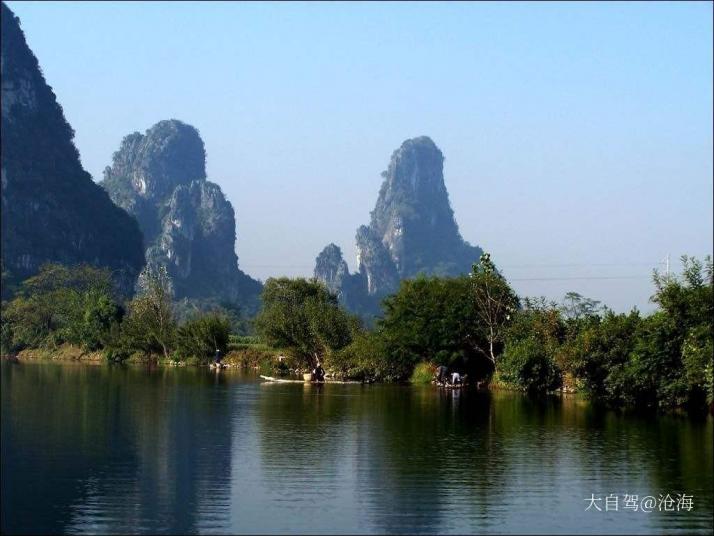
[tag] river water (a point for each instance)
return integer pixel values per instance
(101, 449)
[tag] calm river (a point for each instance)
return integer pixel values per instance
(99, 449)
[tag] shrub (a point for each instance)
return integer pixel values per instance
(423, 373)
(527, 365)
(365, 358)
(200, 336)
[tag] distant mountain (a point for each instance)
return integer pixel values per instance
(52, 211)
(412, 230)
(188, 224)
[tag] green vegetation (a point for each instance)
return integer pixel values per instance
(662, 360)
(429, 319)
(304, 316)
(475, 324)
(423, 373)
(202, 335)
(61, 305)
(79, 307)
(494, 303)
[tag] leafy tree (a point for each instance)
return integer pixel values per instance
(697, 353)
(428, 319)
(303, 315)
(527, 364)
(537, 318)
(189, 308)
(150, 325)
(531, 343)
(599, 355)
(202, 335)
(674, 341)
(75, 304)
(366, 359)
(495, 304)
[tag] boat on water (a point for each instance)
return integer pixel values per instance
(445, 385)
(287, 380)
(282, 380)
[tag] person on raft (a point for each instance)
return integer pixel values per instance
(442, 374)
(318, 374)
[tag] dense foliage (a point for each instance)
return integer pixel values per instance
(429, 319)
(81, 306)
(656, 361)
(61, 305)
(304, 316)
(202, 335)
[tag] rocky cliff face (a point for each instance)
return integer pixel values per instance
(188, 224)
(331, 268)
(52, 211)
(412, 229)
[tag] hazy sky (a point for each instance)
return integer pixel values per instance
(577, 137)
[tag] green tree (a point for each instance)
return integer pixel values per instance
(150, 325)
(428, 319)
(202, 335)
(495, 304)
(365, 359)
(599, 355)
(75, 304)
(304, 316)
(527, 364)
(674, 341)
(532, 343)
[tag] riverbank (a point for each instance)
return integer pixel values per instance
(246, 356)
(249, 356)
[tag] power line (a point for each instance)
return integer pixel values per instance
(502, 266)
(584, 278)
(582, 264)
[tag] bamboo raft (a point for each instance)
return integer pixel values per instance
(283, 380)
(449, 385)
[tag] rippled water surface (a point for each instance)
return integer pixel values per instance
(99, 449)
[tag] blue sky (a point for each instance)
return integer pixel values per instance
(577, 137)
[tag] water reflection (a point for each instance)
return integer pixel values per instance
(98, 449)
(111, 449)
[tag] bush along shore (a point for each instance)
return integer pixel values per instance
(474, 324)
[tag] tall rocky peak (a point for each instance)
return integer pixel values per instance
(189, 225)
(169, 154)
(412, 228)
(52, 211)
(331, 268)
(413, 217)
